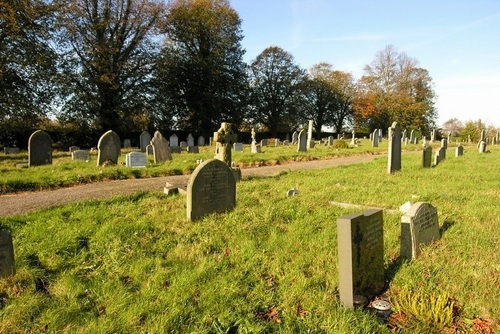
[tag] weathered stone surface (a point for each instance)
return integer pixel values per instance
(39, 149)
(127, 143)
(302, 141)
(11, 150)
(427, 157)
(136, 159)
(211, 189)
(238, 147)
(394, 159)
(7, 264)
(80, 155)
(161, 151)
(224, 138)
(459, 151)
(144, 140)
(109, 147)
(174, 140)
(73, 148)
(419, 226)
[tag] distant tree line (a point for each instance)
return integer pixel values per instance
(82, 67)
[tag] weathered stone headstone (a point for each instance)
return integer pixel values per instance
(394, 158)
(412, 137)
(459, 151)
(183, 144)
(7, 264)
(254, 148)
(109, 147)
(404, 135)
(436, 158)
(193, 149)
(190, 140)
(444, 143)
(80, 155)
(427, 156)
(39, 149)
(380, 135)
(224, 138)
(353, 138)
(433, 135)
(286, 142)
(302, 141)
(174, 140)
(201, 141)
(482, 146)
(126, 143)
(144, 140)
(310, 140)
(361, 255)
(483, 135)
(149, 149)
(276, 142)
(375, 138)
(295, 137)
(73, 148)
(161, 151)
(211, 189)
(263, 142)
(238, 147)
(136, 159)
(11, 150)
(419, 226)
(442, 153)
(330, 140)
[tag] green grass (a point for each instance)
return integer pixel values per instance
(135, 265)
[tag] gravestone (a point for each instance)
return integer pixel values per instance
(211, 189)
(149, 149)
(330, 140)
(190, 140)
(11, 150)
(482, 146)
(353, 138)
(375, 138)
(426, 156)
(310, 141)
(224, 138)
(302, 141)
(136, 159)
(263, 142)
(193, 149)
(183, 144)
(7, 264)
(404, 136)
(276, 142)
(238, 147)
(483, 135)
(73, 148)
(412, 137)
(201, 141)
(161, 151)
(442, 154)
(444, 143)
(174, 140)
(380, 135)
(126, 143)
(254, 148)
(144, 140)
(286, 142)
(361, 255)
(295, 137)
(433, 135)
(394, 159)
(80, 155)
(419, 226)
(39, 149)
(459, 151)
(109, 147)
(436, 158)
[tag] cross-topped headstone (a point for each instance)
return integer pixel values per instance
(225, 138)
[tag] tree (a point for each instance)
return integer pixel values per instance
(453, 126)
(395, 89)
(27, 66)
(276, 82)
(201, 76)
(108, 54)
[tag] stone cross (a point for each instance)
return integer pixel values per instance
(225, 138)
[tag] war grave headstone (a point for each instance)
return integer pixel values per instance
(161, 150)
(459, 151)
(238, 147)
(39, 149)
(7, 264)
(109, 148)
(82, 155)
(302, 141)
(144, 140)
(427, 156)
(11, 150)
(375, 138)
(190, 140)
(136, 159)
(201, 141)
(419, 226)
(394, 158)
(174, 140)
(361, 256)
(73, 148)
(295, 137)
(211, 189)
(127, 143)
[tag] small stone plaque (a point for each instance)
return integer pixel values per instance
(193, 149)
(7, 265)
(211, 189)
(419, 226)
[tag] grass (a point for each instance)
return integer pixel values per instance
(132, 264)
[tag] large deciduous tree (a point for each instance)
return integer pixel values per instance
(27, 65)
(109, 51)
(394, 88)
(276, 83)
(201, 77)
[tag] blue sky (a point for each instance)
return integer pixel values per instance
(457, 41)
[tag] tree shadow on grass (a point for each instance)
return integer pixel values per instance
(446, 226)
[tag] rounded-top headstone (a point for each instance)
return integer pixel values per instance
(109, 147)
(39, 149)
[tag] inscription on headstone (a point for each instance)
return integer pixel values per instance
(419, 226)
(39, 149)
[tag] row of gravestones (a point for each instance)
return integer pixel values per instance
(145, 139)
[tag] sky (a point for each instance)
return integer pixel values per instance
(457, 41)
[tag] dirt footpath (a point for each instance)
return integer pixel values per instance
(15, 204)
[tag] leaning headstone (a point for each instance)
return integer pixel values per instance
(426, 156)
(211, 189)
(144, 140)
(419, 226)
(127, 143)
(482, 146)
(11, 150)
(7, 265)
(302, 141)
(39, 149)
(201, 141)
(80, 155)
(73, 148)
(238, 147)
(394, 159)
(109, 147)
(459, 151)
(136, 159)
(174, 140)
(361, 256)
(161, 151)
(190, 140)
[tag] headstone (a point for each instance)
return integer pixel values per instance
(39, 149)
(286, 142)
(292, 192)
(183, 144)
(201, 141)
(224, 138)
(302, 141)
(126, 143)
(174, 140)
(310, 141)
(7, 265)
(412, 136)
(482, 146)
(353, 138)
(427, 156)
(361, 255)
(380, 135)
(11, 150)
(419, 226)
(442, 154)
(80, 155)
(193, 149)
(136, 159)
(254, 148)
(109, 147)
(394, 159)
(433, 135)
(149, 149)
(483, 135)
(161, 151)
(330, 140)
(276, 142)
(238, 147)
(436, 158)
(73, 148)
(211, 189)
(263, 142)
(295, 137)
(459, 151)
(190, 140)
(444, 143)
(375, 138)
(144, 140)
(403, 136)
(175, 149)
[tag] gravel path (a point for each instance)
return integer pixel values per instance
(15, 204)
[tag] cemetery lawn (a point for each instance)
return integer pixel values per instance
(132, 264)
